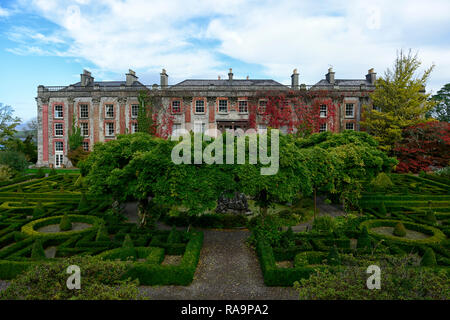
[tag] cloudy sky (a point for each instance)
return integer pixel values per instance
(49, 42)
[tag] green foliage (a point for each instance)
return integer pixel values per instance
(400, 101)
(38, 210)
(364, 241)
(75, 137)
(174, 236)
(428, 259)
(37, 251)
(83, 204)
(430, 216)
(382, 182)
(441, 111)
(383, 210)
(14, 160)
(325, 224)
(100, 280)
(65, 224)
(127, 242)
(145, 113)
(6, 173)
(333, 258)
(40, 173)
(399, 281)
(399, 230)
(52, 172)
(102, 234)
(8, 123)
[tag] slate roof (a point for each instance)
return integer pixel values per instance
(226, 82)
(344, 82)
(111, 84)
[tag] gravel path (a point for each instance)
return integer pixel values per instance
(227, 270)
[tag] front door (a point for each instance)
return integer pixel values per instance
(58, 160)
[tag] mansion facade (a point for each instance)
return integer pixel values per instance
(104, 109)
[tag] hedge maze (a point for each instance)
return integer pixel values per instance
(31, 232)
(419, 205)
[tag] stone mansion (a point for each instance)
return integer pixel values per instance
(104, 109)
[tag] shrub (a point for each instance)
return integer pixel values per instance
(174, 236)
(364, 241)
(333, 258)
(127, 242)
(83, 203)
(65, 224)
(383, 210)
(102, 234)
(428, 259)
(38, 210)
(287, 239)
(40, 173)
(37, 251)
(100, 280)
(324, 224)
(15, 160)
(52, 172)
(382, 182)
(6, 173)
(430, 216)
(399, 230)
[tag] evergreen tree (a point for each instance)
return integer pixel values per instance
(37, 251)
(428, 259)
(333, 258)
(399, 230)
(65, 223)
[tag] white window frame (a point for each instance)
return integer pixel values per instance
(197, 105)
(109, 108)
(57, 145)
(220, 107)
(108, 131)
(134, 107)
(84, 144)
(323, 113)
(84, 126)
(134, 127)
(59, 114)
(348, 123)
(85, 112)
(57, 124)
(321, 129)
(178, 106)
(353, 110)
(244, 105)
(59, 160)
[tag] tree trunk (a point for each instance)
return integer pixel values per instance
(142, 212)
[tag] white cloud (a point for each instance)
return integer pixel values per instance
(353, 36)
(4, 12)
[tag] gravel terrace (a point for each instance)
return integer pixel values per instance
(227, 270)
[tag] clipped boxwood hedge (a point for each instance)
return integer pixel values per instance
(30, 228)
(182, 274)
(436, 235)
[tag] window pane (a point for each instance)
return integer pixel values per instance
(200, 106)
(84, 112)
(323, 111)
(176, 106)
(243, 106)
(110, 111)
(134, 110)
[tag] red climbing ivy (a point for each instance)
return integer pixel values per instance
(423, 147)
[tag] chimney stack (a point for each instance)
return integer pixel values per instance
(294, 79)
(131, 77)
(230, 75)
(330, 76)
(371, 76)
(164, 79)
(86, 78)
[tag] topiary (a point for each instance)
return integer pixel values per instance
(399, 230)
(83, 204)
(127, 242)
(383, 210)
(428, 259)
(40, 173)
(381, 182)
(174, 236)
(102, 234)
(324, 224)
(430, 216)
(364, 240)
(287, 238)
(37, 251)
(38, 210)
(65, 223)
(333, 258)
